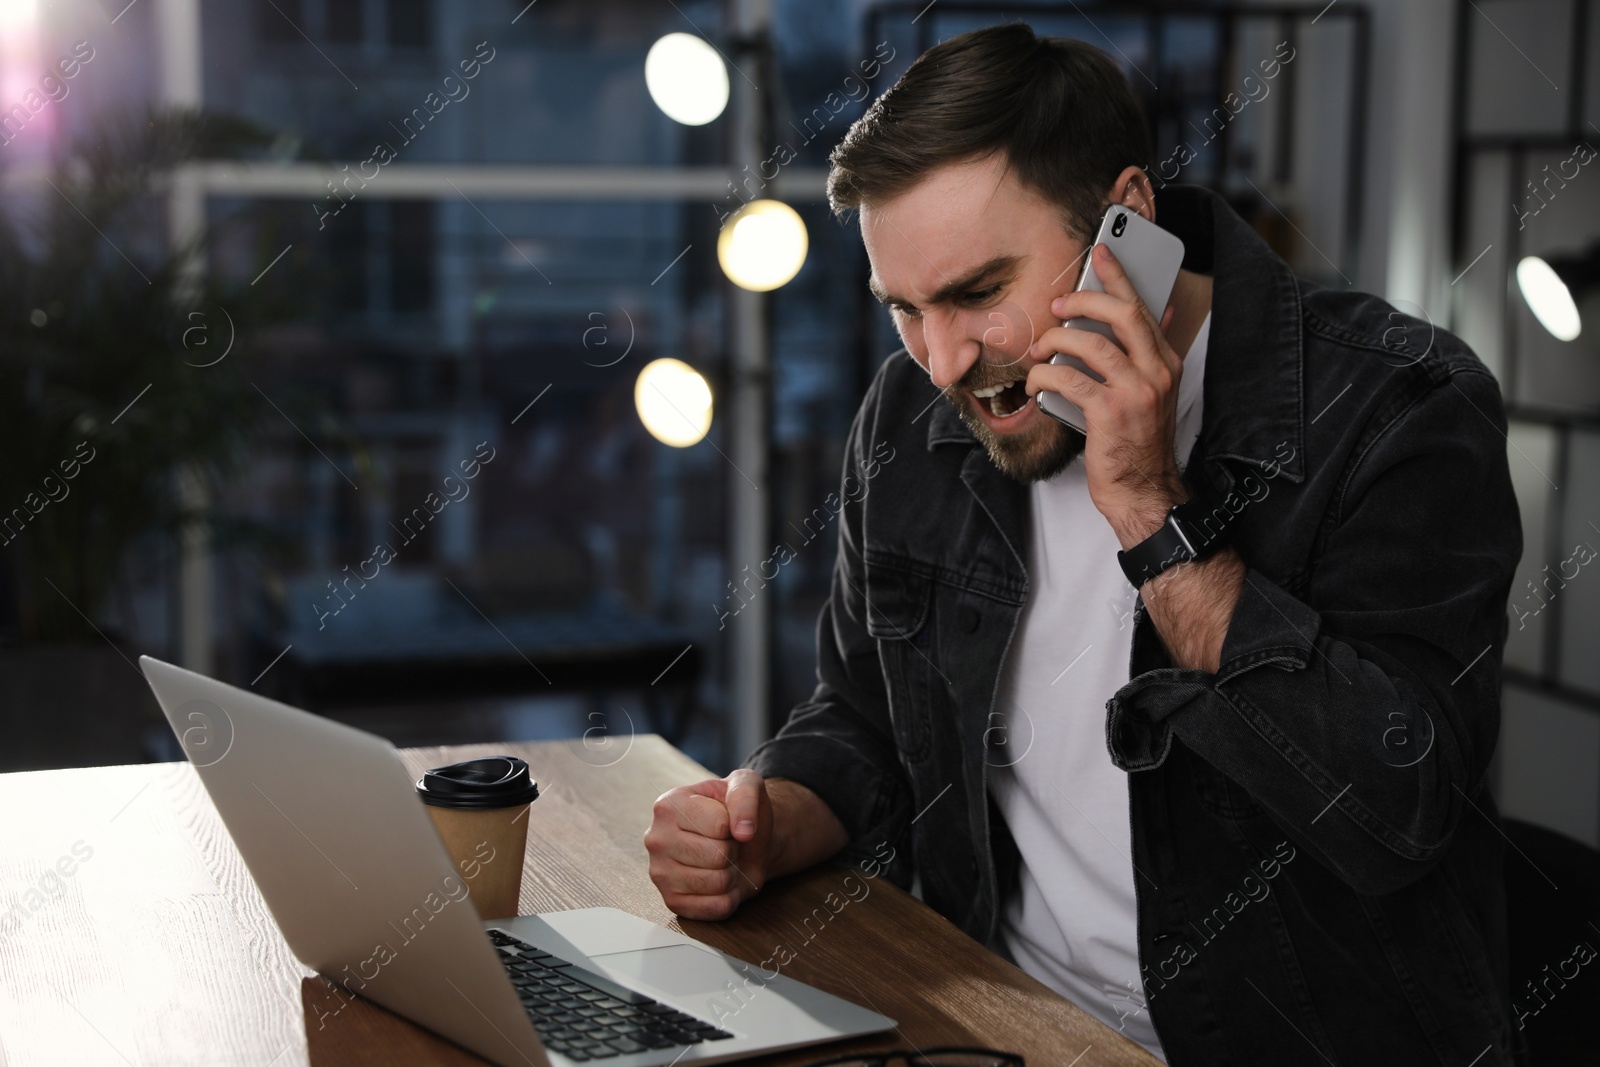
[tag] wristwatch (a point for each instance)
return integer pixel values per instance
(1193, 530)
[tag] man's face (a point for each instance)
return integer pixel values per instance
(968, 262)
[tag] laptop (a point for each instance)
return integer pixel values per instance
(328, 822)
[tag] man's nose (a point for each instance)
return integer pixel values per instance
(951, 347)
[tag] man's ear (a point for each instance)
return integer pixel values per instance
(1133, 189)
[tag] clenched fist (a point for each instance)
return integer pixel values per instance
(714, 844)
(710, 844)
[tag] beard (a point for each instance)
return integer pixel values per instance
(1041, 453)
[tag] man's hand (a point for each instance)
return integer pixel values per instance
(1130, 457)
(709, 844)
(1132, 415)
(714, 844)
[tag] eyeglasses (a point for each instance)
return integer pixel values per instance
(933, 1057)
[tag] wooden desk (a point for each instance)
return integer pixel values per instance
(131, 932)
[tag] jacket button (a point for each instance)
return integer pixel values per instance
(968, 618)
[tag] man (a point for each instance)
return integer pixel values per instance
(1240, 815)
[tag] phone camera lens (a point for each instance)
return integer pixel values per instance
(1118, 225)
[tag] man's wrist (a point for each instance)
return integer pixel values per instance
(778, 850)
(796, 810)
(1144, 517)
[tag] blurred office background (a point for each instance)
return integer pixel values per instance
(355, 327)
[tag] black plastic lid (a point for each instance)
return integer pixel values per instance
(490, 782)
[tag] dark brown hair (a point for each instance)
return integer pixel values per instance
(1060, 109)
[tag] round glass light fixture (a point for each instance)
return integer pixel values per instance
(673, 401)
(1548, 298)
(762, 245)
(686, 78)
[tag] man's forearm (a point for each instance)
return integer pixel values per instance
(805, 830)
(1191, 605)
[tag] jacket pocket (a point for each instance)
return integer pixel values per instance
(899, 615)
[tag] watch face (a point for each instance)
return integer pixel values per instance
(1178, 552)
(1203, 526)
(1164, 548)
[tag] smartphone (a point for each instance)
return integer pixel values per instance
(1150, 256)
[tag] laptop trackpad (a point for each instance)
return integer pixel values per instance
(681, 970)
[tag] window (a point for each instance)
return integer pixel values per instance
(410, 23)
(344, 21)
(276, 21)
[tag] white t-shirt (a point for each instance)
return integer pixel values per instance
(1072, 923)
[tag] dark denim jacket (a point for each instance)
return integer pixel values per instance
(1319, 858)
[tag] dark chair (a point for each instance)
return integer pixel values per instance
(1545, 924)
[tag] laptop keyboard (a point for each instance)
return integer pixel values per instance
(586, 1016)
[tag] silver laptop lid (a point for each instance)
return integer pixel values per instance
(327, 821)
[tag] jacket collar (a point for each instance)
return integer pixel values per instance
(1254, 381)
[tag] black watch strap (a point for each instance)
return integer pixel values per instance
(1192, 530)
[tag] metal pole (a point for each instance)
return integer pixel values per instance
(178, 29)
(746, 411)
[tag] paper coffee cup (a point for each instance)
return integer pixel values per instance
(480, 808)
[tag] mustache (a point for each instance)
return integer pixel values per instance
(983, 374)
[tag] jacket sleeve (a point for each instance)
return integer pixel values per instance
(1364, 724)
(839, 743)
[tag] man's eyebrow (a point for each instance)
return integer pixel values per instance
(950, 289)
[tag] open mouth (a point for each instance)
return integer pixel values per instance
(1004, 400)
